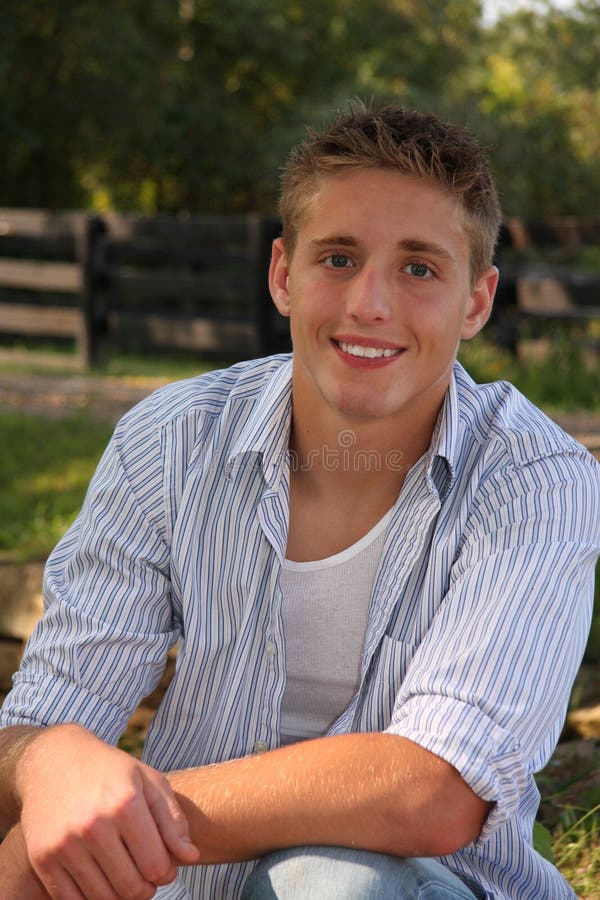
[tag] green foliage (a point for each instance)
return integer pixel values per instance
(561, 379)
(533, 95)
(45, 467)
(193, 105)
(542, 841)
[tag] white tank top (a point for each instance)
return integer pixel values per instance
(325, 611)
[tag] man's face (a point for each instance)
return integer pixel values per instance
(378, 293)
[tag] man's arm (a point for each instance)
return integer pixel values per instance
(96, 817)
(19, 881)
(377, 792)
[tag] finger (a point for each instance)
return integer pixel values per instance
(171, 822)
(115, 860)
(82, 868)
(55, 879)
(57, 883)
(144, 844)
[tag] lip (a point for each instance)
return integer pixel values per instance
(367, 362)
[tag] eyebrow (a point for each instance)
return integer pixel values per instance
(342, 240)
(412, 245)
(416, 246)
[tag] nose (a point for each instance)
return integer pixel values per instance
(369, 296)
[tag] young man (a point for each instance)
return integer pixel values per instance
(379, 574)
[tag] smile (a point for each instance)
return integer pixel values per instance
(368, 352)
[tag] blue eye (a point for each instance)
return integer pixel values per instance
(419, 270)
(338, 260)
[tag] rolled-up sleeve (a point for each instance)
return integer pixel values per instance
(488, 687)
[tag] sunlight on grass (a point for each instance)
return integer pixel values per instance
(577, 849)
(45, 467)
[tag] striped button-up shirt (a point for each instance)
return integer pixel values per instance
(478, 618)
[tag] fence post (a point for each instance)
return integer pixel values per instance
(95, 228)
(264, 230)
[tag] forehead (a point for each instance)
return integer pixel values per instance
(382, 203)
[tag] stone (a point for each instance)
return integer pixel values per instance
(20, 598)
(585, 721)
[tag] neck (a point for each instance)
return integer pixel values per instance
(355, 456)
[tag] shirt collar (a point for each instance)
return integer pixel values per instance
(441, 456)
(266, 433)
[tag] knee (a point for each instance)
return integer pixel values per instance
(301, 873)
(338, 873)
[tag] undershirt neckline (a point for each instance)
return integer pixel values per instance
(344, 555)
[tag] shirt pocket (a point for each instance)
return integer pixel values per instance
(383, 682)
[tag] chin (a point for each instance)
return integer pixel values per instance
(365, 410)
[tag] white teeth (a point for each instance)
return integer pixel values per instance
(370, 352)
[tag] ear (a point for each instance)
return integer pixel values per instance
(278, 277)
(479, 306)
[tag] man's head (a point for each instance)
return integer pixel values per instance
(412, 143)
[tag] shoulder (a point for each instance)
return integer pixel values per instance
(516, 459)
(194, 403)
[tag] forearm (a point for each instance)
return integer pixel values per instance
(372, 791)
(18, 880)
(13, 743)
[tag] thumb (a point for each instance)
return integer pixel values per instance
(171, 822)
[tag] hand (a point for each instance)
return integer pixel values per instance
(98, 824)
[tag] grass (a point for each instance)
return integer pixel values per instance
(48, 358)
(45, 466)
(568, 832)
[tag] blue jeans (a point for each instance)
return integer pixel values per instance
(339, 873)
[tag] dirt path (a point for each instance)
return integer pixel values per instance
(106, 397)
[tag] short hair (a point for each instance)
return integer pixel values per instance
(410, 142)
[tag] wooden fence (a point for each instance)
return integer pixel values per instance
(549, 272)
(199, 283)
(195, 283)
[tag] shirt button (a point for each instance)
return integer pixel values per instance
(270, 648)
(260, 747)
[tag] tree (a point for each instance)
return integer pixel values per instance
(147, 104)
(193, 105)
(533, 94)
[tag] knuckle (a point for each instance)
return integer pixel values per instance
(167, 877)
(124, 806)
(159, 872)
(91, 830)
(45, 856)
(139, 892)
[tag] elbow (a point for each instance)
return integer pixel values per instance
(456, 814)
(448, 817)
(456, 832)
